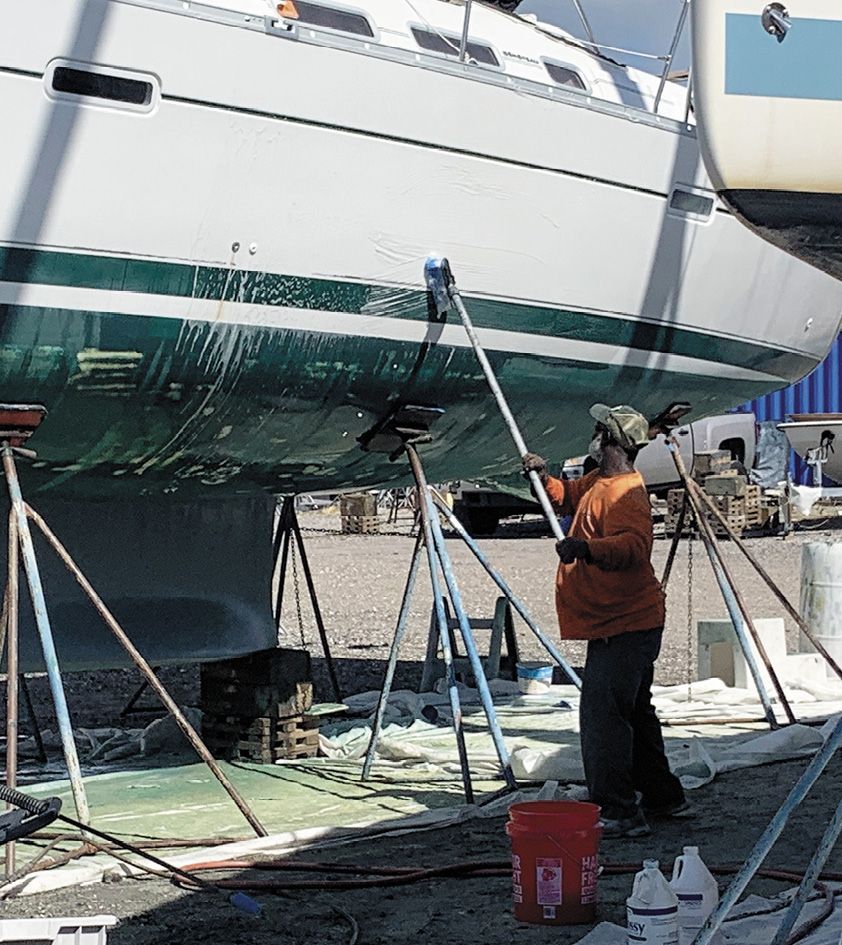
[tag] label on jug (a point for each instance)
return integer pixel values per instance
(652, 926)
(548, 883)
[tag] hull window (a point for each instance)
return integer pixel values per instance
(332, 18)
(564, 75)
(449, 46)
(112, 88)
(697, 206)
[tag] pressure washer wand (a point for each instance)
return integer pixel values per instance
(37, 808)
(442, 286)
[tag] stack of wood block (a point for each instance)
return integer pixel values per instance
(255, 707)
(358, 514)
(739, 502)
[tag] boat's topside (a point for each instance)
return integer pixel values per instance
(519, 47)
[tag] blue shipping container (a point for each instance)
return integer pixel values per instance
(816, 393)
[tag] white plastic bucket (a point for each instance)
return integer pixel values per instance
(821, 596)
(534, 678)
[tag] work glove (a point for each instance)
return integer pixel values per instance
(573, 549)
(532, 462)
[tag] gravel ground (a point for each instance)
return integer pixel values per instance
(728, 819)
(360, 580)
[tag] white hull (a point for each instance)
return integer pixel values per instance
(770, 120)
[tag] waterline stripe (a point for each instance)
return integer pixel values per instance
(149, 276)
(214, 312)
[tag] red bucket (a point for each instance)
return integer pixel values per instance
(555, 848)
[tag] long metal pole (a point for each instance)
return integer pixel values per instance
(466, 20)
(803, 626)
(190, 733)
(464, 625)
(12, 598)
(400, 631)
(545, 641)
(314, 602)
(739, 628)
(726, 586)
(503, 406)
(424, 509)
(42, 621)
(676, 538)
(282, 539)
(770, 835)
(693, 492)
(811, 875)
(747, 619)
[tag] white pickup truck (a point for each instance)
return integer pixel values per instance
(735, 432)
(480, 509)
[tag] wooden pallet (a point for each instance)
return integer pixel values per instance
(264, 740)
(360, 524)
(742, 513)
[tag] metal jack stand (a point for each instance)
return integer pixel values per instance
(438, 558)
(17, 423)
(737, 609)
(288, 531)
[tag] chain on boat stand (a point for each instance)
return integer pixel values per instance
(17, 424)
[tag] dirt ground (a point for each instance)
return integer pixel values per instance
(360, 581)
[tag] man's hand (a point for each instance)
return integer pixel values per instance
(573, 549)
(532, 462)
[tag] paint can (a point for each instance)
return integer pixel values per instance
(555, 850)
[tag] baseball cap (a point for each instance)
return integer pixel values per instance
(628, 426)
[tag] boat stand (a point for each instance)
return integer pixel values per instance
(288, 531)
(17, 424)
(438, 559)
(744, 627)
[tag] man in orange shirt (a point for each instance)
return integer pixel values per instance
(607, 594)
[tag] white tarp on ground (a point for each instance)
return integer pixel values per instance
(753, 921)
(541, 733)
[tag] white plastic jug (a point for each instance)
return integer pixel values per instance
(697, 892)
(652, 909)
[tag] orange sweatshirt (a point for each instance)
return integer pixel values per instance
(618, 591)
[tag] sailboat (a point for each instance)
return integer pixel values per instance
(213, 223)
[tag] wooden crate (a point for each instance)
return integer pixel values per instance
(362, 504)
(273, 683)
(726, 484)
(708, 462)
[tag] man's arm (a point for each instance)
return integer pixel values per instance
(565, 494)
(627, 538)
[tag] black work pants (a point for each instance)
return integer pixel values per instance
(622, 744)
